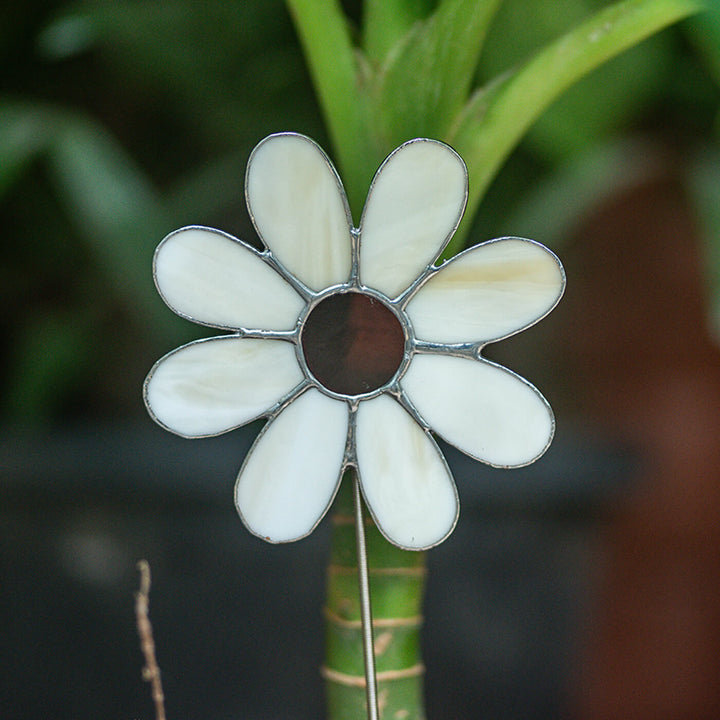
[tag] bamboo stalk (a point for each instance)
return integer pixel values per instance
(397, 584)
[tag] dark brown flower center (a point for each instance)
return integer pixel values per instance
(353, 343)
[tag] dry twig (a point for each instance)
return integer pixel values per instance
(151, 671)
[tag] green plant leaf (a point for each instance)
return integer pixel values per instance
(385, 22)
(429, 76)
(497, 117)
(25, 130)
(610, 98)
(117, 212)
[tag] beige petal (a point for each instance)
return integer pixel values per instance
(483, 409)
(292, 473)
(488, 292)
(216, 280)
(299, 208)
(404, 477)
(414, 206)
(211, 386)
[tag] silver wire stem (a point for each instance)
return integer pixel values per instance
(365, 607)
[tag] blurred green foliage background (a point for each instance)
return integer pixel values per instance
(123, 120)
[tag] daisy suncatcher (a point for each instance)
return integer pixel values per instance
(353, 343)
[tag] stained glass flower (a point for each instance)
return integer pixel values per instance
(352, 342)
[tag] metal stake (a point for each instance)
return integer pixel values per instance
(365, 608)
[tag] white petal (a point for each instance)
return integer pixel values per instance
(404, 477)
(211, 386)
(299, 209)
(293, 470)
(216, 280)
(414, 206)
(488, 292)
(483, 409)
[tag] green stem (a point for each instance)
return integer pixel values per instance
(397, 584)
